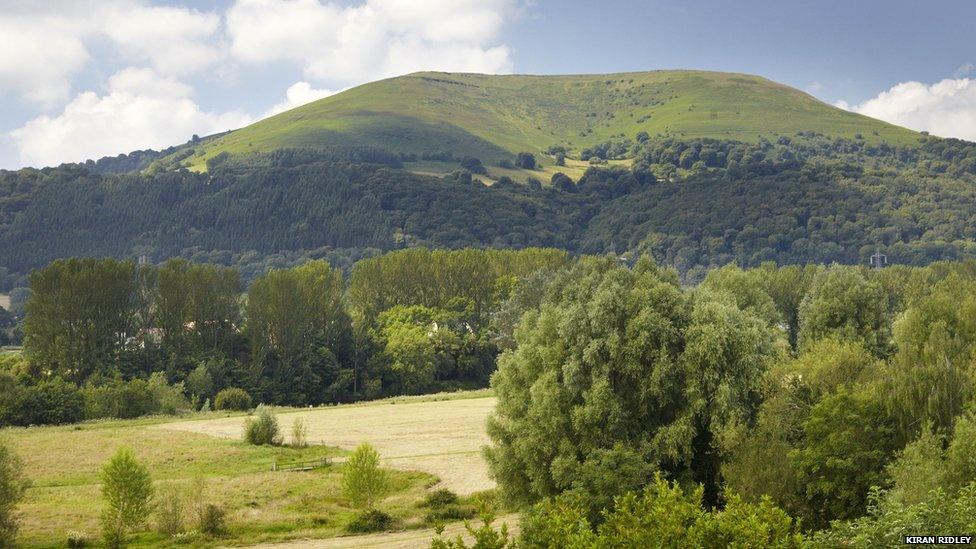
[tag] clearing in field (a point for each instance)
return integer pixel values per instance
(421, 438)
(440, 437)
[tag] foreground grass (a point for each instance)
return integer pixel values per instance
(64, 462)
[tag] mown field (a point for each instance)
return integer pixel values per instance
(424, 439)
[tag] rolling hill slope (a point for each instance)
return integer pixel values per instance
(493, 117)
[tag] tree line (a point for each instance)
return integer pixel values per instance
(110, 338)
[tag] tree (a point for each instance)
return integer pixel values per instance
(363, 482)
(298, 324)
(747, 290)
(847, 440)
(525, 160)
(930, 378)
(622, 367)
(843, 304)
(128, 492)
(12, 488)
(79, 316)
(197, 306)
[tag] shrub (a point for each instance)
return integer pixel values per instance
(212, 520)
(662, 515)
(299, 433)
(262, 429)
(119, 399)
(363, 482)
(77, 540)
(12, 488)
(451, 513)
(232, 398)
(439, 498)
(128, 493)
(370, 521)
(167, 399)
(525, 160)
(485, 537)
(170, 510)
(53, 401)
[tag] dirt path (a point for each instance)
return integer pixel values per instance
(443, 438)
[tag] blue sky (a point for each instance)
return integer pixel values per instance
(88, 78)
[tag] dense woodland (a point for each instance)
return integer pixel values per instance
(693, 204)
(800, 404)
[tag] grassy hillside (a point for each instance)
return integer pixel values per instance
(492, 117)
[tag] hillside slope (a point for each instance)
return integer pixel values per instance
(492, 117)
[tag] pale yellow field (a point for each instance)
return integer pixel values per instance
(441, 437)
(4, 301)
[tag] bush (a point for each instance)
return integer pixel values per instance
(299, 433)
(12, 488)
(262, 429)
(525, 160)
(662, 515)
(167, 399)
(128, 493)
(439, 498)
(451, 513)
(170, 511)
(119, 399)
(53, 401)
(485, 537)
(363, 482)
(232, 398)
(370, 521)
(77, 540)
(212, 520)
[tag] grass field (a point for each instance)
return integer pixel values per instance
(494, 116)
(423, 439)
(440, 437)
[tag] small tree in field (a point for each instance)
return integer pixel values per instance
(128, 492)
(299, 433)
(12, 487)
(263, 428)
(362, 480)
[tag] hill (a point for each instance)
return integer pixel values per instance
(493, 117)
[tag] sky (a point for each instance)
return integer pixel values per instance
(83, 79)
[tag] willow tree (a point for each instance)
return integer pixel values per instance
(619, 374)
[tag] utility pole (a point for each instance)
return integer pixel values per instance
(879, 260)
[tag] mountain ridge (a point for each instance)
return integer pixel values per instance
(493, 117)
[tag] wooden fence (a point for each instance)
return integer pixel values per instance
(301, 465)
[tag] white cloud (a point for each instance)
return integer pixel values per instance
(40, 54)
(140, 110)
(373, 39)
(946, 108)
(47, 43)
(173, 40)
(298, 94)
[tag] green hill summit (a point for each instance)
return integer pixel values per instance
(494, 116)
